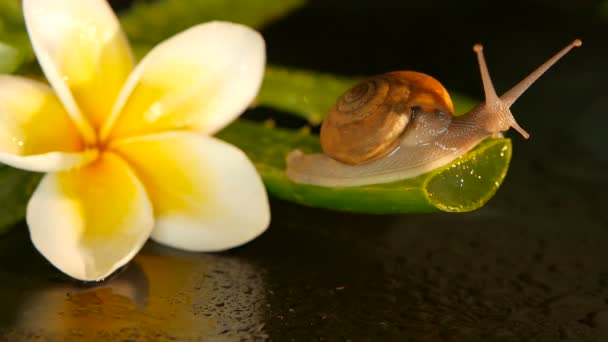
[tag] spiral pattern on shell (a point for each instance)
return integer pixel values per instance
(364, 98)
(366, 121)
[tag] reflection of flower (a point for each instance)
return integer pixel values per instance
(160, 296)
(120, 145)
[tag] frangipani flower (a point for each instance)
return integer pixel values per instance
(128, 150)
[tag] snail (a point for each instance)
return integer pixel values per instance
(400, 125)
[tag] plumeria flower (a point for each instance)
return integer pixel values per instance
(127, 151)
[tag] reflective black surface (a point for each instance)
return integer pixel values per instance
(524, 268)
(530, 266)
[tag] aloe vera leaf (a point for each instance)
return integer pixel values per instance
(152, 22)
(16, 187)
(304, 93)
(463, 185)
(10, 58)
(15, 49)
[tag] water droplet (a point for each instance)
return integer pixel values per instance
(155, 111)
(18, 142)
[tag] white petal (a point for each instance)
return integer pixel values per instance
(84, 55)
(207, 195)
(201, 79)
(48, 162)
(36, 133)
(91, 221)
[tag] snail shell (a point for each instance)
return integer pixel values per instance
(367, 121)
(399, 125)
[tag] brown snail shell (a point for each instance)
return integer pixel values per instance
(366, 123)
(399, 125)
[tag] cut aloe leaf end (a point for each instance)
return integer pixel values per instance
(463, 185)
(469, 182)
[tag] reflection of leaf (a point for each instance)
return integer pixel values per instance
(464, 185)
(151, 22)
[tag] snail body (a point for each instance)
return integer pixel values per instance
(400, 125)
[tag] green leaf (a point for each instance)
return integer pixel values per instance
(16, 187)
(10, 58)
(303, 93)
(464, 185)
(311, 94)
(10, 15)
(15, 49)
(148, 23)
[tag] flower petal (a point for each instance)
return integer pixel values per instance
(36, 133)
(200, 79)
(207, 195)
(91, 221)
(83, 52)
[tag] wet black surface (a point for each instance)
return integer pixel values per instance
(529, 266)
(523, 268)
